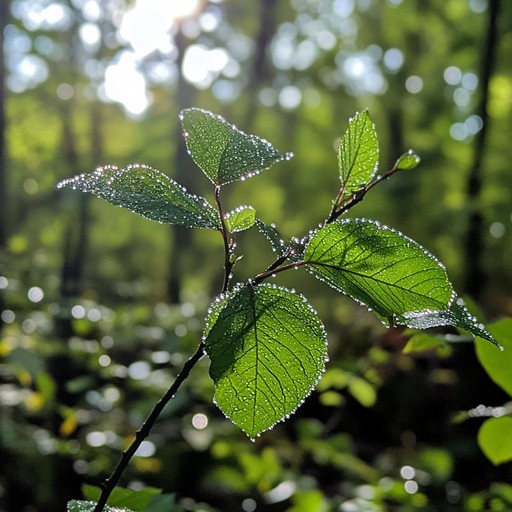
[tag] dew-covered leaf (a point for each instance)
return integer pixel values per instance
(240, 218)
(222, 151)
(379, 267)
(358, 153)
(88, 506)
(121, 497)
(495, 439)
(407, 161)
(497, 363)
(273, 236)
(455, 315)
(267, 348)
(147, 192)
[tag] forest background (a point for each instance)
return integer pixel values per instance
(99, 308)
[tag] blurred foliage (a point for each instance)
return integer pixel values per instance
(79, 371)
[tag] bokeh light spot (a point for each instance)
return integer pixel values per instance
(35, 294)
(452, 75)
(146, 449)
(200, 421)
(414, 84)
(140, 370)
(411, 487)
(393, 59)
(497, 229)
(8, 316)
(290, 97)
(78, 311)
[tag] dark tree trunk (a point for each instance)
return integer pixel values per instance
(70, 270)
(475, 273)
(259, 71)
(181, 236)
(4, 16)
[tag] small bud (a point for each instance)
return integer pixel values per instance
(407, 161)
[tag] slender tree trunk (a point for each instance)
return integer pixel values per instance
(259, 71)
(4, 16)
(475, 273)
(181, 236)
(69, 284)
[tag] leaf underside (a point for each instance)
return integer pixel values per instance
(222, 151)
(270, 232)
(149, 193)
(378, 267)
(267, 348)
(456, 315)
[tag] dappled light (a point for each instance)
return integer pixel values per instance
(243, 135)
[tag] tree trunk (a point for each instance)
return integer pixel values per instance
(475, 273)
(181, 236)
(259, 71)
(4, 16)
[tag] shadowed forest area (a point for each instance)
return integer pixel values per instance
(100, 308)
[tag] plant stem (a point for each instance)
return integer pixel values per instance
(141, 434)
(228, 243)
(264, 275)
(357, 196)
(339, 207)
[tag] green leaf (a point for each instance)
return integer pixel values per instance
(147, 192)
(267, 348)
(138, 500)
(503, 491)
(358, 153)
(310, 500)
(362, 391)
(422, 341)
(408, 161)
(240, 218)
(379, 267)
(273, 236)
(222, 151)
(88, 506)
(495, 439)
(456, 315)
(498, 363)
(359, 388)
(161, 503)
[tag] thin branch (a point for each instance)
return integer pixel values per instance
(268, 273)
(338, 209)
(358, 196)
(111, 482)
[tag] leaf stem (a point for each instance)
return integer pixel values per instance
(229, 243)
(356, 197)
(339, 207)
(272, 271)
(110, 483)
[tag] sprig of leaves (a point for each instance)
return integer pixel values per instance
(266, 344)
(251, 329)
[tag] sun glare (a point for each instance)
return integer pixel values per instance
(147, 28)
